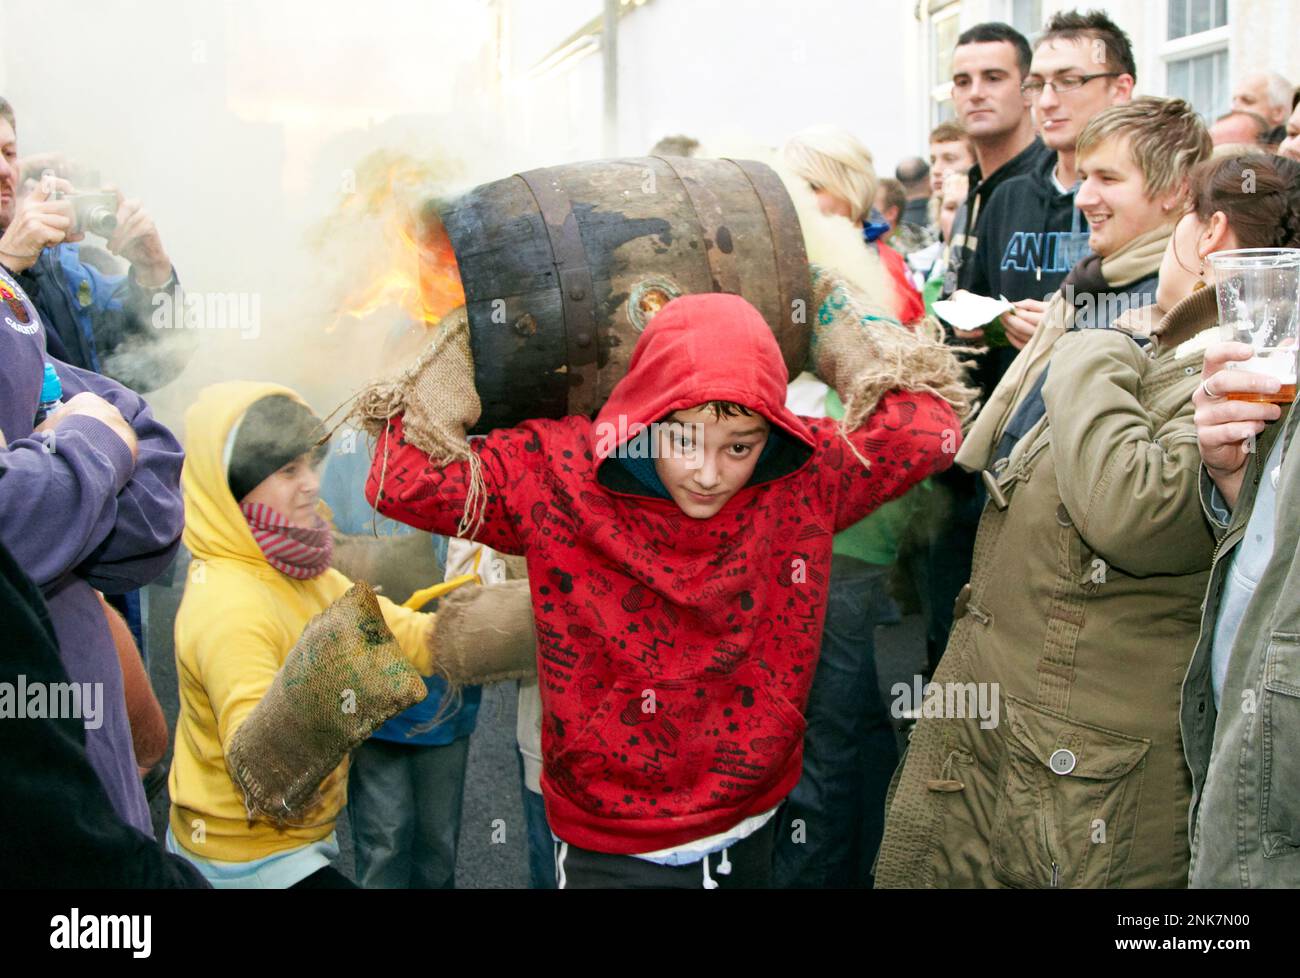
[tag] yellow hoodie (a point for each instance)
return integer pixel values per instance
(236, 624)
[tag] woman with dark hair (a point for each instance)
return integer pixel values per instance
(1241, 695)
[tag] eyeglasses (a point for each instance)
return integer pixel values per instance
(1066, 83)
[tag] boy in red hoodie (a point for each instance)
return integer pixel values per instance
(678, 599)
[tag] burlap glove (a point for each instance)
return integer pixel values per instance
(435, 394)
(438, 403)
(344, 677)
(486, 634)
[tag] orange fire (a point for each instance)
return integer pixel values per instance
(419, 274)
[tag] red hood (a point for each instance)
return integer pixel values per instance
(700, 348)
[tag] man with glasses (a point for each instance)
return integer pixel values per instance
(1032, 233)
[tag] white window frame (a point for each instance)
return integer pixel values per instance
(942, 91)
(1213, 41)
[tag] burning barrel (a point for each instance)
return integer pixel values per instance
(563, 267)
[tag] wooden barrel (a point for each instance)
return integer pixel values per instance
(563, 267)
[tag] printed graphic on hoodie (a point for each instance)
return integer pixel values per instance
(1031, 236)
(675, 655)
(1051, 252)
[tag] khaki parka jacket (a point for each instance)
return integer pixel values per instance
(1245, 756)
(1090, 565)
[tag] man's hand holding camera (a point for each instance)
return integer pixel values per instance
(42, 219)
(52, 213)
(137, 240)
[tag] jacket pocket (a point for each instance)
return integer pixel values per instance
(1280, 740)
(658, 748)
(1067, 801)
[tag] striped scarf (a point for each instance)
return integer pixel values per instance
(297, 551)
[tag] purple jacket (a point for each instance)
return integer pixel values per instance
(78, 515)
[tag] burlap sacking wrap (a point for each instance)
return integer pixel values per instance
(859, 349)
(438, 402)
(343, 678)
(486, 634)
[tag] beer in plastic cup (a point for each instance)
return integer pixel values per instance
(1258, 291)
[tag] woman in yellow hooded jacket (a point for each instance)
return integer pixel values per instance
(260, 571)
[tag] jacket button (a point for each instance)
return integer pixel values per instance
(1062, 761)
(1063, 515)
(996, 494)
(963, 601)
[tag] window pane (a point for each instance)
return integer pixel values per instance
(1201, 15)
(1203, 85)
(1178, 77)
(1177, 18)
(945, 39)
(1027, 17)
(1202, 81)
(1193, 16)
(1222, 96)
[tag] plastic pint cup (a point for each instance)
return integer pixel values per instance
(1258, 290)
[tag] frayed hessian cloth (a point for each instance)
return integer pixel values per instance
(438, 402)
(344, 678)
(858, 348)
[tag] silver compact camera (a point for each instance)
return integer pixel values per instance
(96, 212)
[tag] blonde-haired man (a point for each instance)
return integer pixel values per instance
(1134, 160)
(1048, 751)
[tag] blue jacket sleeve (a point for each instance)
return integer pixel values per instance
(76, 502)
(149, 512)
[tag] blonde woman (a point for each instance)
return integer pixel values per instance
(842, 174)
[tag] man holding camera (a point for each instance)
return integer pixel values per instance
(94, 319)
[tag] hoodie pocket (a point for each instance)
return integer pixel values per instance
(671, 748)
(1067, 801)
(1280, 746)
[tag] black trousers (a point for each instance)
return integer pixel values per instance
(747, 865)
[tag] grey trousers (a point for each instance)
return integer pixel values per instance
(404, 806)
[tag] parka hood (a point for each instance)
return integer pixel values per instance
(214, 525)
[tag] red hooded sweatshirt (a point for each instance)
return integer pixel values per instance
(675, 654)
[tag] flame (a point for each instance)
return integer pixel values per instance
(418, 274)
